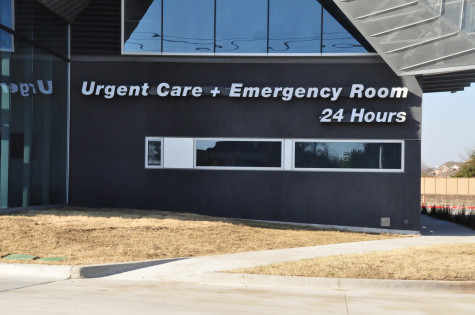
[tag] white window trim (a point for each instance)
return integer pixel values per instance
(147, 139)
(217, 54)
(240, 168)
(353, 170)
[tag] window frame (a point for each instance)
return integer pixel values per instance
(147, 140)
(350, 170)
(240, 168)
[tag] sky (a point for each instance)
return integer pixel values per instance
(448, 126)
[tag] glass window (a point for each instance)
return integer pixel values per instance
(6, 39)
(336, 38)
(295, 26)
(6, 13)
(143, 26)
(153, 152)
(239, 153)
(348, 155)
(241, 26)
(188, 26)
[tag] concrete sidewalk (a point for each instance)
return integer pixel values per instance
(194, 269)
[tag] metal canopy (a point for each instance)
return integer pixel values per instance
(431, 38)
(67, 9)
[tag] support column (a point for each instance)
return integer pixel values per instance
(27, 145)
(46, 73)
(5, 137)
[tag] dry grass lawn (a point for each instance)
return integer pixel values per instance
(94, 236)
(439, 262)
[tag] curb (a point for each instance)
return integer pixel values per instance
(97, 271)
(35, 271)
(59, 272)
(338, 283)
(342, 228)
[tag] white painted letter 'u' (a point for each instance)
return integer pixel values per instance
(91, 89)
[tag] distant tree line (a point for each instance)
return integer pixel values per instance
(468, 170)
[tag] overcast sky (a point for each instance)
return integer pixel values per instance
(448, 126)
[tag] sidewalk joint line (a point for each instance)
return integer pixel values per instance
(33, 285)
(346, 303)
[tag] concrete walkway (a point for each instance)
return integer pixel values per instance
(193, 269)
(99, 296)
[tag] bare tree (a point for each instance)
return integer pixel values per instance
(426, 169)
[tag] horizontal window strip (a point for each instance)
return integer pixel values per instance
(311, 155)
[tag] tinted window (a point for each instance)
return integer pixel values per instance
(188, 26)
(154, 152)
(357, 155)
(229, 153)
(336, 38)
(241, 26)
(294, 26)
(143, 34)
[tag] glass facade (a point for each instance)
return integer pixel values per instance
(34, 100)
(241, 26)
(335, 39)
(348, 155)
(233, 27)
(296, 31)
(188, 27)
(147, 31)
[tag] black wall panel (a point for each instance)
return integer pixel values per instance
(107, 143)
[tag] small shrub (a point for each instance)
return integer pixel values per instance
(444, 214)
(462, 217)
(424, 210)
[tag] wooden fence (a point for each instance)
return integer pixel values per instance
(447, 186)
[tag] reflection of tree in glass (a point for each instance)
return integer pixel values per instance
(239, 153)
(348, 155)
(154, 153)
(356, 157)
(314, 155)
(374, 156)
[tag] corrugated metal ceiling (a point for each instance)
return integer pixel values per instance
(67, 9)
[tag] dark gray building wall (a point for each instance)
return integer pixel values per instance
(107, 143)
